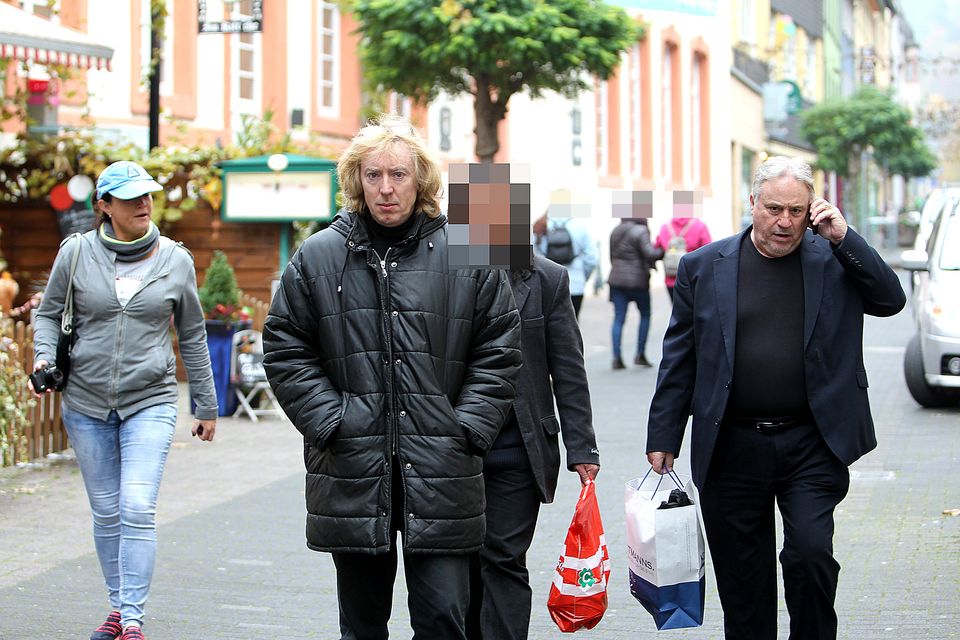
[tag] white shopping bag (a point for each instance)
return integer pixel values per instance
(665, 550)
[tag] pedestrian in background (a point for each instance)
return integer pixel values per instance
(399, 372)
(580, 259)
(765, 349)
(120, 401)
(631, 258)
(691, 231)
(520, 470)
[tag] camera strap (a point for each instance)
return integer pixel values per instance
(66, 318)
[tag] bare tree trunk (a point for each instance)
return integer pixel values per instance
(488, 112)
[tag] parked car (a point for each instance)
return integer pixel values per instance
(936, 201)
(931, 363)
(939, 199)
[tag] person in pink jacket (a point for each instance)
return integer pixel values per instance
(693, 231)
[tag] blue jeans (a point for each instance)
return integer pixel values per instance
(622, 297)
(122, 462)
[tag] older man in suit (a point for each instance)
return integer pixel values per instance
(520, 470)
(765, 349)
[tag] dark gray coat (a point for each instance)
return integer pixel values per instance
(631, 256)
(552, 369)
(405, 358)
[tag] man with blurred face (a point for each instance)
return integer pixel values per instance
(764, 348)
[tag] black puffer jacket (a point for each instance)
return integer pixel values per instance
(631, 255)
(403, 358)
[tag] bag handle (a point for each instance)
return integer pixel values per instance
(66, 318)
(671, 473)
(588, 486)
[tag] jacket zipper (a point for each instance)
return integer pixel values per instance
(115, 378)
(388, 338)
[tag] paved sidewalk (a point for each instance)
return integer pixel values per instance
(232, 563)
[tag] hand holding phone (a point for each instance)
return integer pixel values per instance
(826, 220)
(813, 227)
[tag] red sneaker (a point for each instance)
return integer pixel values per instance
(110, 629)
(132, 632)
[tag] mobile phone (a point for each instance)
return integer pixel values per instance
(810, 224)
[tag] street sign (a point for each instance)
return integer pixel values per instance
(251, 24)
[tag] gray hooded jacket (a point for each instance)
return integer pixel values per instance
(123, 355)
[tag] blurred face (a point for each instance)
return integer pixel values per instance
(389, 185)
(779, 216)
(130, 218)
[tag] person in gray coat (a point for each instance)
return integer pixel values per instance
(631, 256)
(521, 469)
(399, 371)
(120, 400)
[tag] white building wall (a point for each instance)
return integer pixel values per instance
(690, 28)
(541, 134)
(299, 51)
(461, 136)
(109, 91)
(210, 75)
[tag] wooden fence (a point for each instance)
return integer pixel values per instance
(44, 432)
(258, 310)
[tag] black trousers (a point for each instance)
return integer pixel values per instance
(749, 473)
(438, 593)
(500, 594)
(438, 587)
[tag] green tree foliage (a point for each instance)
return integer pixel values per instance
(840, 129)
(491, 49)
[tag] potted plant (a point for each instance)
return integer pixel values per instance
(220, 299)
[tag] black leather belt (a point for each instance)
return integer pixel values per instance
(772, 425)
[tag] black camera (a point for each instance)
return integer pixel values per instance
(48, 377)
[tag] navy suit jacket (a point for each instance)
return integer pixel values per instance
(552, 369)
(840, 284)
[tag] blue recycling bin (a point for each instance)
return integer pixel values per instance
(220, 346)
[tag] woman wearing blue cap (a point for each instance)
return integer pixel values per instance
(120, 400)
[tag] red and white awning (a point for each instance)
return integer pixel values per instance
(27, 37)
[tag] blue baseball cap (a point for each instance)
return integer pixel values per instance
(126, 180)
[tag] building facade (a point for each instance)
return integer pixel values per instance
(692, 107)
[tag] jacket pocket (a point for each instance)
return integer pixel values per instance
(551, 425)
(533, 322)
(323, 436)
(156, 367)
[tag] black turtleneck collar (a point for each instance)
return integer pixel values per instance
(382, 238)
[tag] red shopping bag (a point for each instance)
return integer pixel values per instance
(578, 595)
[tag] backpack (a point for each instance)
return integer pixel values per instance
(560, 245)
(676, 248)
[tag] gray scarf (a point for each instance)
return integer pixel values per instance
(129, 251)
